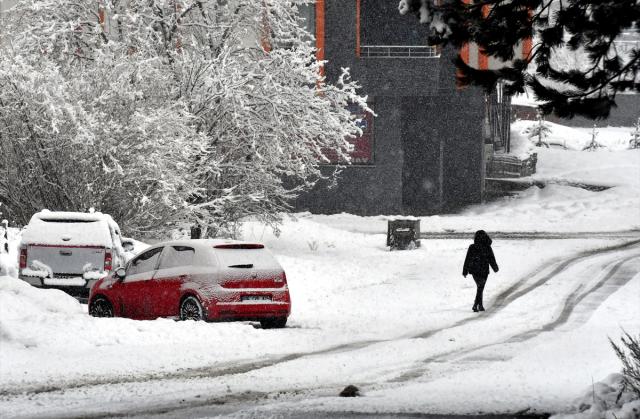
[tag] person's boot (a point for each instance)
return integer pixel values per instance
(475, 308)
(480, 308)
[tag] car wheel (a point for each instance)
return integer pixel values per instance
(277, 323)
(191, 309)
(100, 307)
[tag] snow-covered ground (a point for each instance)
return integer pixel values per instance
(398, 325)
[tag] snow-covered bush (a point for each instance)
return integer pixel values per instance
(593, 144)
(606, 399)
(165, 113)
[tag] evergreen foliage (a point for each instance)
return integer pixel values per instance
(540, 131)
(589, 27)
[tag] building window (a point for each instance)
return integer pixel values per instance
(382, 32)
(308, 13)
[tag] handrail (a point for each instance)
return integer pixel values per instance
(399, 51)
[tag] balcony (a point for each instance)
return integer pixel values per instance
(399, 51)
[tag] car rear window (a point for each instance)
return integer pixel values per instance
(61, 220)
(246, 258)
(174, 256)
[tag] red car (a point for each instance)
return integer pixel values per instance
(210, 280)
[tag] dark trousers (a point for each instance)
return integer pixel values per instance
(480, 281)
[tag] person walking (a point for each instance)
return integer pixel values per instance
(479, 257)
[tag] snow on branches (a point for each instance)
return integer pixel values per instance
(165, 112)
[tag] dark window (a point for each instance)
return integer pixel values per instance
(146, 262)
(174, 256)
(382, 24)
(308, 13)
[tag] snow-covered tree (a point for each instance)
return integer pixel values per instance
(165, 111)
(540, 131)
(590, 28)
(593, 144)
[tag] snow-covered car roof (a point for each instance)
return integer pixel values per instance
(69, 229)
(232, 250)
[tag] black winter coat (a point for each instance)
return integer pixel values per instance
(480, 256)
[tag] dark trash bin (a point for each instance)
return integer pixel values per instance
(196, 232)
(403, 234)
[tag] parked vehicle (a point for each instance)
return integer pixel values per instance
(209, 280)
(69, 250)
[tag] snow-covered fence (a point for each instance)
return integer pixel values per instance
(510, 166)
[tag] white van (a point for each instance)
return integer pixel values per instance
(70, 250)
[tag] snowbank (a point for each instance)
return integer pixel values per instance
(605, 400)
(48, 339)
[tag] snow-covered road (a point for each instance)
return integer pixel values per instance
(538, 327)
(398, 325)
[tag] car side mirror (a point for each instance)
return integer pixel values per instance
(127, 245)
(120, 273)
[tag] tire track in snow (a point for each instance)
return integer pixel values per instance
(505, 298)
(520, 289)
(616, 276)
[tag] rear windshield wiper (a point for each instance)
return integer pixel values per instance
(246, 265)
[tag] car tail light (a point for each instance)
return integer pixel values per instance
(282, 278)
(23, 258)
(107, 261)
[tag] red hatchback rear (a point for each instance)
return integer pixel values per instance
(209, 280)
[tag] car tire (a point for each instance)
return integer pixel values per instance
(277, 323)
(101, 307)
(191, 309)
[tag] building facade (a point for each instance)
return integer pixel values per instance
(423, 151)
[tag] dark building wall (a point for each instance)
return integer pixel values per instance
(427, 134)
(370, 189)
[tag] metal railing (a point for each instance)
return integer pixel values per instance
(398, 51)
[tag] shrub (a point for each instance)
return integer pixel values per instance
(629, 354)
